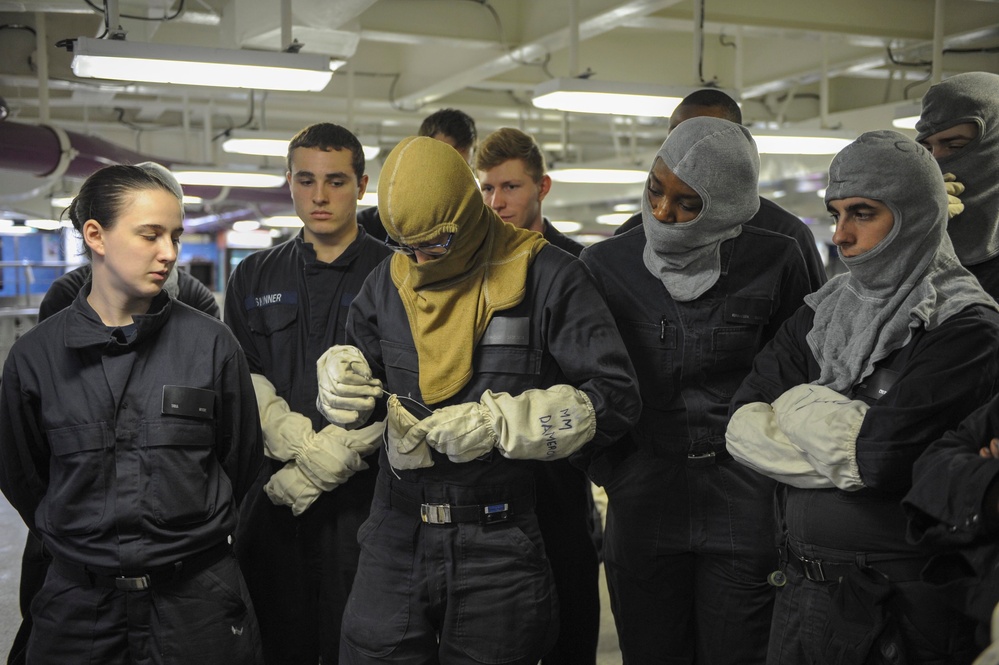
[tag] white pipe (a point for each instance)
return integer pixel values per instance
(573, 38)
(350, 96)
(41, 47)
(738, 74)
(938, 39)
(112, 16)
(698, 35)
(185, 119)
(285, 24)
(824, 86)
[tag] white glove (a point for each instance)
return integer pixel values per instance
(289, 486)
(823, 424)
(403, 453)
(285, 431)
(538, 424)
(991, 655)
(328, 457)
(754, 440)
(954, 190)
(347, 391)
(333, 454)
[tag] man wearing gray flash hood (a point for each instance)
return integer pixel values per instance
(881, 362)
(959, 124)
(690, 535)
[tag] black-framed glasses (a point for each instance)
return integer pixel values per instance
(429, 249)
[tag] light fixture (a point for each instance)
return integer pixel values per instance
(245, 225)
(271, 144)
(907, 115)
(614, 218)
(282, 222)
(43, 224)
(796, 142)
(369, 200)
(566, 225)
(222, 178)
(195, 65)
(579, 95)
(596, 176)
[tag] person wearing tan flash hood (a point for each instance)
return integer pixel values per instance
(494, 354)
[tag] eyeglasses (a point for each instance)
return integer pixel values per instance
(430, 249)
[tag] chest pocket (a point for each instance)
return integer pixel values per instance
(79, 478)
(505, 353)
(271, 319)
(736, 342)
(184, 474)
(652, 348)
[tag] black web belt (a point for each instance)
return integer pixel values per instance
(107, 578)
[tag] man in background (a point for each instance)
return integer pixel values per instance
(297, 540)
(451, 126)
(511, 172)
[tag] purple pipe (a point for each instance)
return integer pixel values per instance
(35, 149)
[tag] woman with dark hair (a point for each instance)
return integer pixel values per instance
(127, 461)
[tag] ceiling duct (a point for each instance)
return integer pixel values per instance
(321, 26)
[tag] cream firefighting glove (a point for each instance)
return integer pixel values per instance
(291, 487)
(285, 431)
(347, 391)
(334, 454)
(404, 453)
(991, 655)
(331, 455)
(823, 424)
(954, 190)
(754, 440)
(538, 424)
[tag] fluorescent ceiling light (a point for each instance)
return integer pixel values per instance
(195, 65)
(369, 200)
(192, 200)
(218, 178)
(271, 144)
(43, 224)
(593, 176)
(283, 221)
(245, 225)
(614, 218)
(613, 97)
(566, 225)
(801, 143)
(907, 122)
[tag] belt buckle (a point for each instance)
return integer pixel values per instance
(813, 569)
(435, 513)
(495, 512)
(140, 583)
(701, 459)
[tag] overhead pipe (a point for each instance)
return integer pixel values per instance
(49, 152)
(938, 42)
(41, 46)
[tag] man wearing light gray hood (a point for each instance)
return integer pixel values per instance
(881, 362)
(959, 124)
(690, 533)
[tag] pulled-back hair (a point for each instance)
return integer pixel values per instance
(454, 123)
(508, 143)
(327, 136)
(106, 193)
